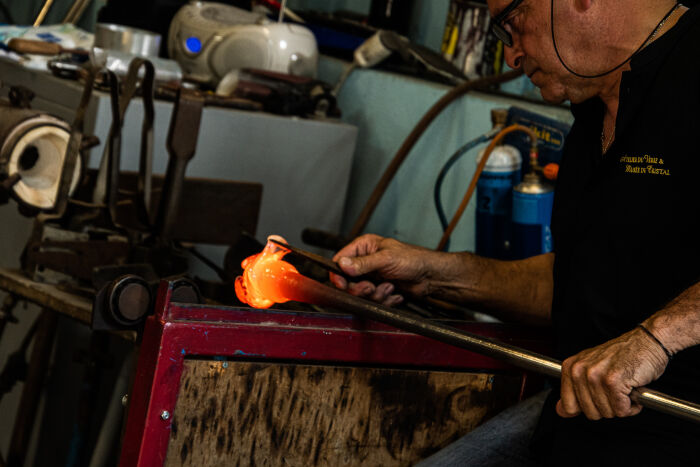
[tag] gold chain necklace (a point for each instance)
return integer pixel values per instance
(661, 25)
(606, 143)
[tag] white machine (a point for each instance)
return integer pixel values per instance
(211, 39)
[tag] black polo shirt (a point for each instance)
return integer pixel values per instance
(626, 229)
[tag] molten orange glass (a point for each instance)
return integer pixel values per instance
(260, 286)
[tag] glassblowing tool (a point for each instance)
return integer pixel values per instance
(325, 263)
(267, 279)
(415, 304)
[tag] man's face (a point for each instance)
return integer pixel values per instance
(533, 52)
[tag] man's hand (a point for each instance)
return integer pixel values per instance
(598, 381)
(388, 259)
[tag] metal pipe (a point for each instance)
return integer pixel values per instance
(302, 289)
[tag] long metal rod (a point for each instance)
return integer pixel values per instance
(307, 290)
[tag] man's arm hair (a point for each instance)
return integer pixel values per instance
(677, 325)
(519, 291)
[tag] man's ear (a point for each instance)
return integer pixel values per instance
(583, 5)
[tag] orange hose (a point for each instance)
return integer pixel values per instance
(412, 138)
(480, 167)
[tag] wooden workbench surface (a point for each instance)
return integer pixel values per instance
(51, 297)
(46, 295)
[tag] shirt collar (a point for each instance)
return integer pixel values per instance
(654, 53)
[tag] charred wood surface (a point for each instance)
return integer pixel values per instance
(262, 414)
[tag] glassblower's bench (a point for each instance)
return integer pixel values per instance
(237, 386)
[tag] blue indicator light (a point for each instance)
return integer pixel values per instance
(193, 45)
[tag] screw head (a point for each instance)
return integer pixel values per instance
(164, 415)
(224, 365)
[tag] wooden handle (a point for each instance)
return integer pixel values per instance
(29, 46)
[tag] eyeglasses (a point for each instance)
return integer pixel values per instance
(499, 28)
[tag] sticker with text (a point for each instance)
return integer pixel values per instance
(645, 164)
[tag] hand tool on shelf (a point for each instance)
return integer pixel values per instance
(107, 184)
(31, 46)
(75, 143)
(181, 144)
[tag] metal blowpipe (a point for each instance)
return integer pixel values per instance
(307, 290)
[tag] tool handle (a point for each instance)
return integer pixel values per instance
(170, 199)
(323, 239)
(669, 405)
(29, 46)
(181, 145)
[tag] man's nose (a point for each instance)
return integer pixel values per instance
(514, 55)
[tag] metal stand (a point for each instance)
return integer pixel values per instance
(31, 393)
(6, 313)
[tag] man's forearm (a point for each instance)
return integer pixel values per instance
(510, 290)
(677, 325)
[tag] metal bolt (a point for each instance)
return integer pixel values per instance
(224, 365)
(125, 400)
(164, 415)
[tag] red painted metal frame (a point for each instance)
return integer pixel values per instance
(178, 331)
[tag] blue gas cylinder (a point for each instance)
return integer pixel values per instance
(494, 202)
(532, 214)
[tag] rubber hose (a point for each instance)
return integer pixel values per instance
(472, 185)
(413, 137)
(443, 173)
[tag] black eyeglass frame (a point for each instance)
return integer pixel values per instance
(497, 23)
